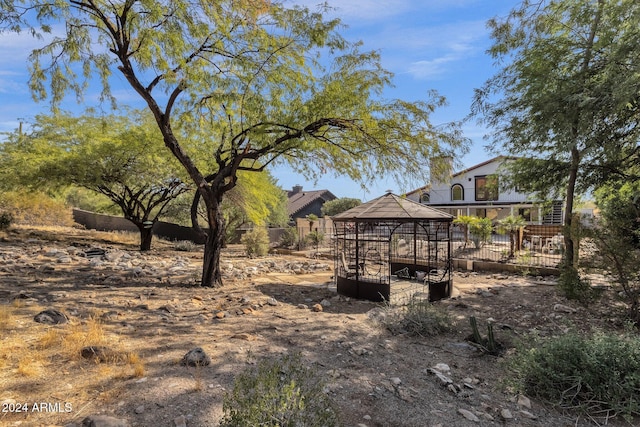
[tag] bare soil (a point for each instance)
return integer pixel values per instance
(374, 377)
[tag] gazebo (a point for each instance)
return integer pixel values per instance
(392, 238)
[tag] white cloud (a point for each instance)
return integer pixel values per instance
(430, 69)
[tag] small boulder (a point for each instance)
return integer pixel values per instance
(469, 415)
(272, 301)
(524, 401)
(195, 357)
(506, 414)
(51, 317)
(104, 421)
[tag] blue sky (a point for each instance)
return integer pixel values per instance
(427, 44)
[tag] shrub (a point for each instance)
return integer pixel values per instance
(481, 229)
(593, 374)
(315, 238)
(186, 246)
(278, 392)
(289, 237)
(417, 317)
(6, 219)
(36, 209)
(256, 242)
(617, 237)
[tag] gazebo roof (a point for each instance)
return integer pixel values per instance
(392, 207)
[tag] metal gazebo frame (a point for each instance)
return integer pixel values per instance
(392, 237)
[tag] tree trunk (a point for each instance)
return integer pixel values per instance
(202, 236)
(570, 254)
(512, 244)
(146, 234)
(211, 276)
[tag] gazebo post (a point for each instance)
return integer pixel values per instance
(415, 243)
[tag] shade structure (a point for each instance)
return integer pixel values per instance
(391, 238)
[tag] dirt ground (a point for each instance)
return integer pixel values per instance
(150, 314)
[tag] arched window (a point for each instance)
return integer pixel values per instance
(457, 192)
(425, 198)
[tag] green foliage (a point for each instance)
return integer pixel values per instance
(593, 374)
(259, 199)
(315, 238)
(280, 392)
(250, 83)
(117, 156)
(617, 238)
(336, 206)
(256, 242)
(91, 201)
(289, 237)
(33, 208)
(6, 219)
(565, 101)
(489, 344)
(511, 225)
(417, 317)
(480, 229)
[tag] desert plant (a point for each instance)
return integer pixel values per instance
(312, 218)
(480, 229)
(511, 225)
(256, 242)
(315, 238)
(289, 237)
(417, 317)
(489, 344)
(593, 374)
(464, 221)
(279, 392)
(185, 245)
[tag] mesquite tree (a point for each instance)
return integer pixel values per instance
(117, 156)
(566, 99)
(251, 82)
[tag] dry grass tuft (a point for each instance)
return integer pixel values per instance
(134, 360)
(88, 333)
(6, 318)
(51, 338)
(18, 303)
(31, 365)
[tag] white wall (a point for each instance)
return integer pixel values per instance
(441, 191)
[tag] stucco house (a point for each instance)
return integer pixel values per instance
(476, 191)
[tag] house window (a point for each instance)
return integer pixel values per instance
(457, 192)
(486, 187)
(425, 198)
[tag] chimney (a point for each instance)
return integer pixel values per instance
(297, 189)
